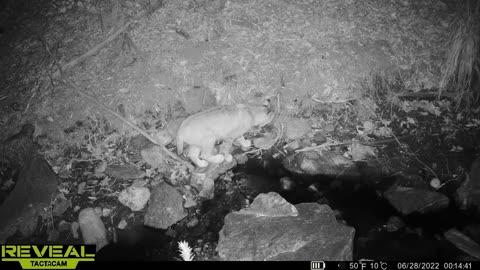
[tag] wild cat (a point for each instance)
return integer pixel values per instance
(228, 123)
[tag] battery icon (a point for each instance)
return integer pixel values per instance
(317, 265)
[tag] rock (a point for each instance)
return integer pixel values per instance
(165, 207)
(296, 128)
(101, 167)
(31, 196)
(310, 166)
(124, 172)
(409, 200)
(314, 233)
(81, 188)
(292, 146)
(122, 224)
(312, 163)
(98, 211)
(92, 228)
(318, 138)
(315, 189)
(394, 224)
(189, 202)
(135, 145)
(264, 142)
(468, 194)
(286, 183)
(163, 137)
(463, 242)
(329, 128)
(241, 158)
(270, 205)
(154, 156)
(74, 228)
(60, 205)
(134, 197)
(106, 212)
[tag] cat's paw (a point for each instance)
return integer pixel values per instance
(202, 163)
(228, 158)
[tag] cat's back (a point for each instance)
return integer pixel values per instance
(219, 121)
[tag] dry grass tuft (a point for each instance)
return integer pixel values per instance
(463, 57)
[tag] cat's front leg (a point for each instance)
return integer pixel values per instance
(225, 149)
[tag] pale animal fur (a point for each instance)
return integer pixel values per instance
(229, 123)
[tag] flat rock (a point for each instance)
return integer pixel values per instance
(312, 163)
(60, 205)
(92, 228)
(408, 200)
(165, 207)
(124, 172)
(21, 207)
(270, 205)
(296, 128)
(134, 198)
(154, 156)
(314, 233)
(163, 137)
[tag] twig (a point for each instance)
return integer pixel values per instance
(77, 89)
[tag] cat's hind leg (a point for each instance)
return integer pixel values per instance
(194, 153)
(206, 152)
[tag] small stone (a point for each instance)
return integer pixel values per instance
(81, 188)
(106, 212)
(74, 228)
(154, 156)
(296, 128)
(329, 128)
(100, 168)
(286, 183)
(134, 197)
(60, 205)
(264, 142)
(124, 172)
(319, 138)
(92, 227)
(292, 146)
(163, 137)
(122, 224)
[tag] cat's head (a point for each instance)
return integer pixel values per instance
(262, 114)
